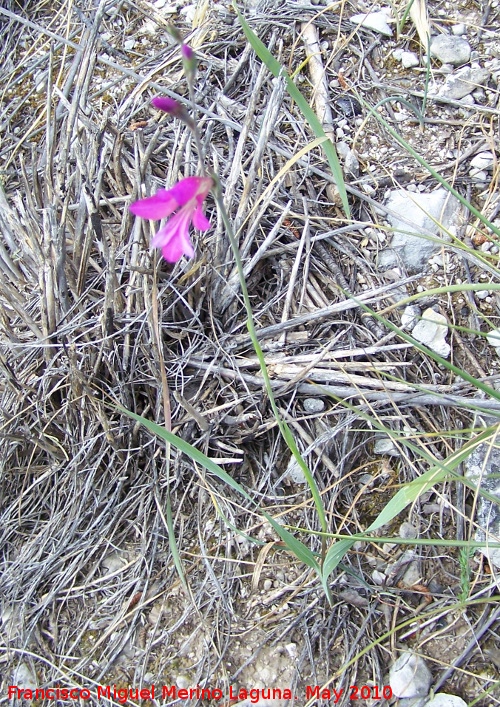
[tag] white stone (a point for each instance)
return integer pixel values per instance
(493, 338)
(479, 176)
(294, 472)
(410, 676)
(377, 21)
(409, 60)
(386, 446)
(188, 13)
(442, 699)
(24, 678)
(459, 29)
(468, 101)
(422, 213)
(129, 44)
(431, 331)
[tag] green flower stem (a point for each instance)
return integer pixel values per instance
(283, 427)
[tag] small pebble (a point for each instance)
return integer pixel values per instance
(407, 531)
(409, 60)
(312, 405)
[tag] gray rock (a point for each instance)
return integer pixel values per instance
(463, 82)
(408, 245)
(410, 676)
(386, 446)
(407, 531)
(450, 49)
(459, 29)
(444, 700)
(352, 597)
(312, 405)
(410, 317)
(431, 331)
(483, 160)
(483, 468)
(378, 578)
(377, 21)
(412, 575)
(351, 164)
(409, 60)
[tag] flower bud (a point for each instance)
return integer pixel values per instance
(187, 52)
(172, 107)
(189, 60)
(168, 105)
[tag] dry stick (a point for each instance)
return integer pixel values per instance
(321, 92)
(438, 395)
(293, 276)
(268, 124)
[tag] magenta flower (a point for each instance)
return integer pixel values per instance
(173, 237)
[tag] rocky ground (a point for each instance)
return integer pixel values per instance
(91, 318)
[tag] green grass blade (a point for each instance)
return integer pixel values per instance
(277, 70)
(406, 495)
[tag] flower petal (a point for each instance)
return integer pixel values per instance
(186, 189)
(156, 207)
(173, 238)
(200, 221)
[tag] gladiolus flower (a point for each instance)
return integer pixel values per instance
(173, 237)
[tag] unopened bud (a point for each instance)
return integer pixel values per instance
(168, 105)
(172, 107)
(189, 60)
(187, 52)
